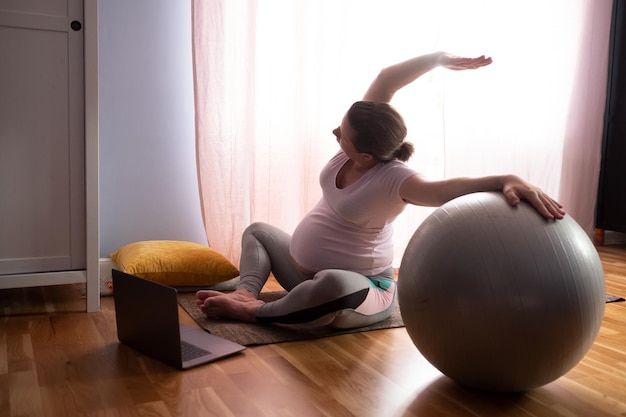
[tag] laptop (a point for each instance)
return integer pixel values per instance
(146, 313)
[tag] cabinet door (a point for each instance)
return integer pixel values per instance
(42, 175)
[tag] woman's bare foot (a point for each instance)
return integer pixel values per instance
(239, 305)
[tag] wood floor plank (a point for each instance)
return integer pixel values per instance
(56, 360)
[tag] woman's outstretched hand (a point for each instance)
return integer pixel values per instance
(457, 63)
(515, 189)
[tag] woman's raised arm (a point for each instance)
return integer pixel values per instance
(393, 78)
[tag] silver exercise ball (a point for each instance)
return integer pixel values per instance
(498, 298)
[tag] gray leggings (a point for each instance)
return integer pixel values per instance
(341, 299)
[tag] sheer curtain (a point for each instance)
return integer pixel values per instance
(274, 77)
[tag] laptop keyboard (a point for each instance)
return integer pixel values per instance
(190, 351)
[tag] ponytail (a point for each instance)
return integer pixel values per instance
(404, 151)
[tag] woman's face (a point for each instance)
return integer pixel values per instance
(345, 137)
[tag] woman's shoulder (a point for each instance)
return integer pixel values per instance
(337, 160)
(394, 173)
(339, 156)
(397, 166)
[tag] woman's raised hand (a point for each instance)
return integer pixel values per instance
(457, 63)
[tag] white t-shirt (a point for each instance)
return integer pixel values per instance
(351, 228)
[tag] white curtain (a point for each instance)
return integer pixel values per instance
(274, 77)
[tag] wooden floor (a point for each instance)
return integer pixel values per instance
(58, 361)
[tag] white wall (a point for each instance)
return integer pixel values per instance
(148, 183)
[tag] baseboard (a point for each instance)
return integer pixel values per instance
(614, 238)
(106, 264)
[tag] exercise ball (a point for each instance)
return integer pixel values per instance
(499, 298)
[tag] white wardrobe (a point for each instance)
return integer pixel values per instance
(48, 144)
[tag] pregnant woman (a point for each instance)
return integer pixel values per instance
(337, 265)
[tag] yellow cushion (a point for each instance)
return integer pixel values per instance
(174, 263)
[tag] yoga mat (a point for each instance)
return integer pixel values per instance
(249, 334)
